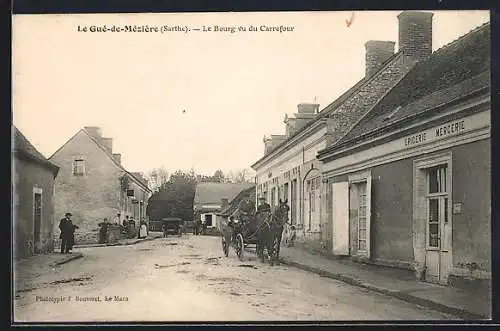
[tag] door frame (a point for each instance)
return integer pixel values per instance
(355, 179)
(37, 190)
(421, 212)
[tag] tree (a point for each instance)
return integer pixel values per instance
(240, 176)
(158, 177)
(174, 198)
(218, 176)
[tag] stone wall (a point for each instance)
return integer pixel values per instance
(26, 176)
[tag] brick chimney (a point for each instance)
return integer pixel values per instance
(94, 132)
(108, 144)
(307, 108)
(118, 158)
(305, 113)
(272, 142)
(415, 34)
(377, 52)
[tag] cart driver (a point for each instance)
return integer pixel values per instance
(263, 207)
(244, 211)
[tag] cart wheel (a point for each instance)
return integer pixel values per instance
(225, 247)
(239, 246)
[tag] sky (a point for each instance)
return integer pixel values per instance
(201, 100)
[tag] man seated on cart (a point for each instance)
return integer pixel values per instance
(263, 207)
(243, 214)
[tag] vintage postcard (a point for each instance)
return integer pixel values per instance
(257, 166)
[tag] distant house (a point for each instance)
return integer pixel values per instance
(210, 198)
(92, 184)
(33, 198)
(231, 207)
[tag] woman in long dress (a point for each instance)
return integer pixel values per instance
(143, 231)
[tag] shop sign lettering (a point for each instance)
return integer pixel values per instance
(436, 133)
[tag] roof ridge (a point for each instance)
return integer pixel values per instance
(110, 155)
(460, 38)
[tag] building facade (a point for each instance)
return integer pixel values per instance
(33, 198)
(403, 183)
(290, 169)
(93, 185)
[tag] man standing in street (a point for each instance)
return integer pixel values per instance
(67, 229)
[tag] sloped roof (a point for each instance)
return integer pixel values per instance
(22, 145)
(333, 106)
(248, 193)
(110, 156)
(456, 70)
(140, 175)
(213, 193)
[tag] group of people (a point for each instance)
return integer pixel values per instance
(128, 226)
(67, 235)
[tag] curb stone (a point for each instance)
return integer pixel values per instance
(117, 243)
(459, 312)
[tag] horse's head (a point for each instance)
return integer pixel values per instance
(281, 211)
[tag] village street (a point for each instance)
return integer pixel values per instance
(189, 279)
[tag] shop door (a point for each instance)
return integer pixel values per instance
(438, 229)
(340, 215)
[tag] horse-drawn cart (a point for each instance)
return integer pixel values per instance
(264, 230)
(239, 235)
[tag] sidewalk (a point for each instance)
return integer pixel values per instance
(394, 282)
(29, 269)
(123, 242)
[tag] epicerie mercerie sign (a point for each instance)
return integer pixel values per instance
(436, 133)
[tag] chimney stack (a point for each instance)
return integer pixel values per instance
(94, 132)
(108, 144)
(272, 142)
(415, 34)
(118, 158)
(307, 108)
(377, 52)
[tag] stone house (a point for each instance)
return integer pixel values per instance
(33, 198)
(210, 198)
(409, 185)
(290, 169)
(93, 185)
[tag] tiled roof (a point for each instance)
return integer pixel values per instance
(110, 155)
(213, 193)
(248, 193)
(456, 70)
(22, 144)
(322, 114)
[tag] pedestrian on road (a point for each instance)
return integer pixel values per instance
(103, 231)
(143, 233)
(292, 235)
(67, 233)
(164, 230)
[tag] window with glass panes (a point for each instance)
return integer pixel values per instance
(362, 230)
(437, 203)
